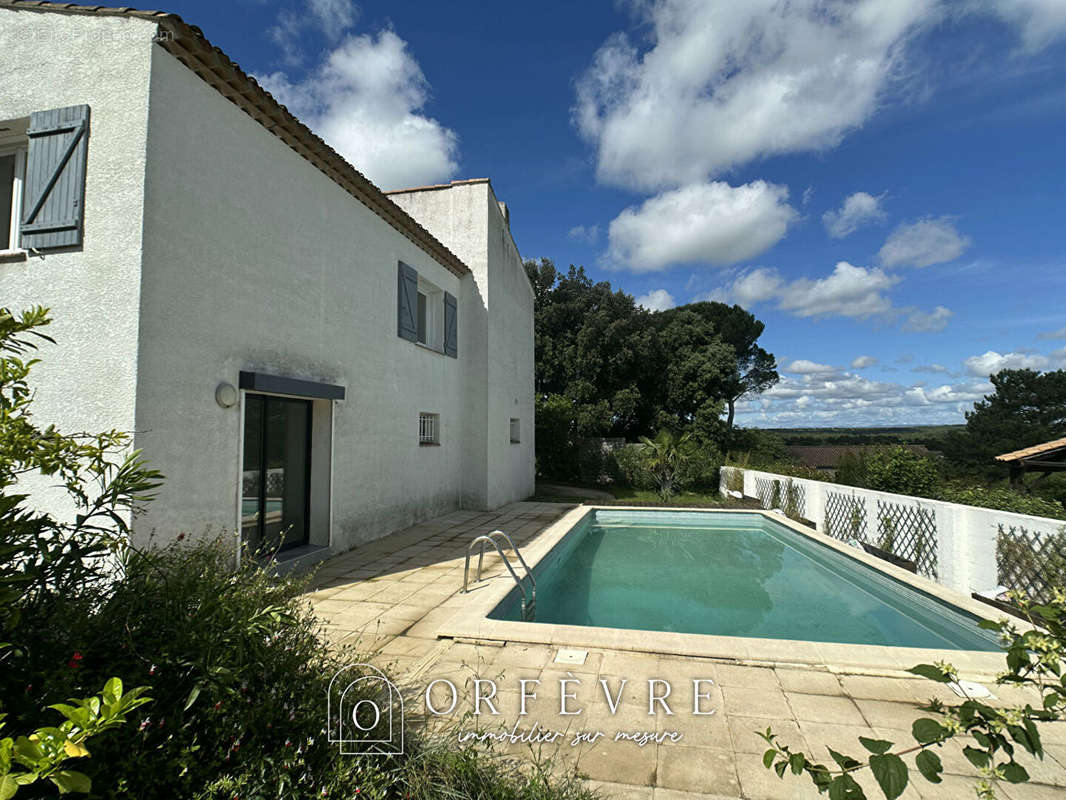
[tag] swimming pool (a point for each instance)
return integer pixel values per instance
(731, 574)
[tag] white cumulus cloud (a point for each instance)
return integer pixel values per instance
(849, 291)
(708, 86)
(862, 362)
(858, 209)
(928, 321)
(919, 244)
(656, 300)
(802, 366)
(991, 362)
(365, 99)
(1038, 21)
(586, 234)
(701, 223)
(721, 84)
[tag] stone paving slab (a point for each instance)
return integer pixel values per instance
(389, 598)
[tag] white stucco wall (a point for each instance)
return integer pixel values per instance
(87, 380)
(511, 467)
(497, 336)
(255, 260)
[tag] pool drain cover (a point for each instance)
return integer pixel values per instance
(968, 689)
(571, 656)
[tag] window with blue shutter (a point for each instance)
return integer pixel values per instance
(451, 330)
(54, 195)
(407, 309)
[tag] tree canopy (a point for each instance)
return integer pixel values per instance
(625, 371)
(1026, 408)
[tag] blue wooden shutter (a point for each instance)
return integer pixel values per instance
(54, 205)
(407, 309)
(451, 331)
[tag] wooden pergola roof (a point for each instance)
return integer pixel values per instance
(1050, 453)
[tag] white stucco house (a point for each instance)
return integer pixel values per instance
(309, 361)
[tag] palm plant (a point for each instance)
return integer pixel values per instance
(665, 457)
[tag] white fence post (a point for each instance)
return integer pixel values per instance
(815, 505)
(951, 542)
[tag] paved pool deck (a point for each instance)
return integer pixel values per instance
(392, 598)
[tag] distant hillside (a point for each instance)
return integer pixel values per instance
(927, 435)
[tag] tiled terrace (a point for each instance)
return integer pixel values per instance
(391, 596)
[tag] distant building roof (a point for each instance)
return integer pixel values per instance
(828, 456)
(1027, 453)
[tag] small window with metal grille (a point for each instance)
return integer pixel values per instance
(428, 428)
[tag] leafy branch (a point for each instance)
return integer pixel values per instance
(1034, 659)
(42, 755)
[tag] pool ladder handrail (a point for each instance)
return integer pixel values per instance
(529, 601)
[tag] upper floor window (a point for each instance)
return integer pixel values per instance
(12, 180)
(42, 179)
(516, 430)
(430, 315)
(426, 313)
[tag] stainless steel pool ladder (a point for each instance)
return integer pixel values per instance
(529, 601)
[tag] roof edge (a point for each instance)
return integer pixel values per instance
(191, 47)
(436, 187)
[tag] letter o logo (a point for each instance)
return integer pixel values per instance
(355, 715)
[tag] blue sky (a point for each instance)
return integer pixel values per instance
(881, 182)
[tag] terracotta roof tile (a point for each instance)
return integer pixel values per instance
(1035, 450)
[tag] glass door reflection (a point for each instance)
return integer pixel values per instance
(276, 472)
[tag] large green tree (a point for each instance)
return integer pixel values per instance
(755, 370)
(1026, 408)
(626, 371)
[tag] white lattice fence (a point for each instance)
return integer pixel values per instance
(786, 494)
(908, 532)
(765, 491)
(845, 516)
(963, 547)
(1031, 562)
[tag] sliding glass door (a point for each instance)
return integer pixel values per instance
(277, 472)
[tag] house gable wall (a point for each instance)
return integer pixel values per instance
(256, 261)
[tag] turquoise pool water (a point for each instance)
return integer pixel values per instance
(732, 575)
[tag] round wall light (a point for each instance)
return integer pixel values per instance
(226, 395)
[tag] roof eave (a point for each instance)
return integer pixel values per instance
(188, 44)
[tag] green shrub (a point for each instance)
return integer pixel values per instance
(46, 563)
(236, 668)
(901, 471)
(1002, 499)
(673, 463)
(851, 469)
(630, 466)
(793, 470)
(556, 438)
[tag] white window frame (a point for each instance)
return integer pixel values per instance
(428, 429)
(11, 247)
(434, 315)
(516, 430)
